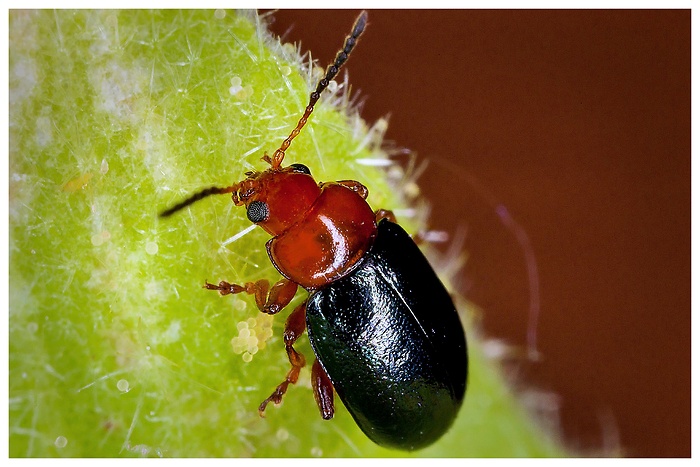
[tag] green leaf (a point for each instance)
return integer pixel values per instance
(115, 349)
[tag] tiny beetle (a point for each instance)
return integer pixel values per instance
(385, 332)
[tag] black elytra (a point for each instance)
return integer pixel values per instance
(391, 342)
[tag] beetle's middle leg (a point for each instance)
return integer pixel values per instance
(387, 214)
(269, 300)
(293, 329)
(427, 236)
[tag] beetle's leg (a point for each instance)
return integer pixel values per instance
(269, 300)
(355, 186)
(323, 390)
(293, 329)
(387, 214)
(427, 236)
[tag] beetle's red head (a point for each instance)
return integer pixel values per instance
(277, 198)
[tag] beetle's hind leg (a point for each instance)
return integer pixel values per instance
(269, 300)
(323, 390)
(293, 329)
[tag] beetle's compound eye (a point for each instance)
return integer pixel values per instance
(258, 211)
(300, 168)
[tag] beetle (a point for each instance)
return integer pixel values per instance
(384, 330)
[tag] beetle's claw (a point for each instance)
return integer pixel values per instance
(263, 406)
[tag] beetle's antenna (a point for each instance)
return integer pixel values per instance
(197, 196)
(331, 71)
(277, 158)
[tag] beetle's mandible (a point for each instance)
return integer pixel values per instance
(385, 333)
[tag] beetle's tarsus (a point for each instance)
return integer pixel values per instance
(224, 288)
(269, 300)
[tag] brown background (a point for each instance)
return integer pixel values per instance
(578, 122)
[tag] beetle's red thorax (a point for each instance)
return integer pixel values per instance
(335, 233)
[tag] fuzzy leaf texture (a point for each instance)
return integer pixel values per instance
(115, 348)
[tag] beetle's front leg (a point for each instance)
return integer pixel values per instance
(269, 300)
(293, 329)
